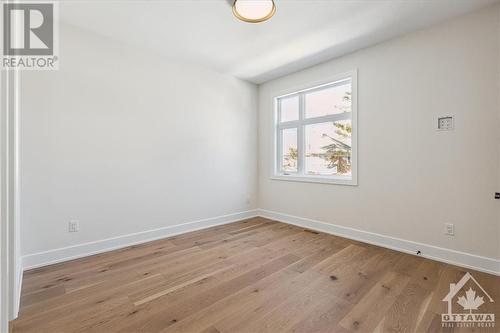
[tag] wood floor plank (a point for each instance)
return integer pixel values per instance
(252, 276)
(247, 304)
(259, 296)
(157, 317)
(404, 314)
(62, 315)
(367, 314)
(296, 307)
(199, 288)
(323, 317)
(253, 302)
(108, 287)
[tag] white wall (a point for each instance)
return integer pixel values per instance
(412, 179)
(126, 141)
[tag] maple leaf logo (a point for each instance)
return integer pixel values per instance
(470, 301)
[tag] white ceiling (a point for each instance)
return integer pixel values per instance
(302, 32)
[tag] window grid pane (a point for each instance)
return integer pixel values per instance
(330, 100)
(289, 108)
(289, 153)
(328, 148)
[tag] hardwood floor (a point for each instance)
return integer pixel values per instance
(251, 276)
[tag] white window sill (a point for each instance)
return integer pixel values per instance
(317, 179)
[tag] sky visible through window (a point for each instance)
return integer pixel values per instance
(327, 101)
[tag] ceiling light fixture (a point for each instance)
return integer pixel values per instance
(254, 11)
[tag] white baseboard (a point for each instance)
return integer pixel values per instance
(483, 264)
(86, 249)
(17, 288)
(479, 263)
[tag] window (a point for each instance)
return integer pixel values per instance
(315, 133)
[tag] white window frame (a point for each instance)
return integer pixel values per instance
(300, 175)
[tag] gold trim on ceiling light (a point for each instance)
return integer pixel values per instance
(262, 19)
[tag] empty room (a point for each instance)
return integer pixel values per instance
(248, 166)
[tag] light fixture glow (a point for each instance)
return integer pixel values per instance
(254, 11)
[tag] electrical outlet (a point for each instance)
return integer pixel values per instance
(73, 226)
(449, 229)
